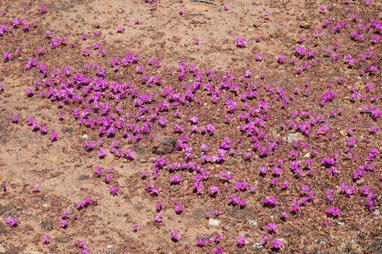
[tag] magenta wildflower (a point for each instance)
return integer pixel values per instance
(64, 214)
(271, 227)
(53, 136)
(120, 29)
(135, 227)
(63, 223)
(45, 239)
(218, 250)
(264, 239)
(158, 218)
(276, 243)
(43, 129)
(334, 211)
(101, 152)
(10, 221)
(113, 190)
(42, 9)
(214, 190)
(15, 119)
(178, 208)
(240, 42)
(181, 11)
(226, 7)
(174, 236)
(200, 242)
(240, 240)
(218, 238)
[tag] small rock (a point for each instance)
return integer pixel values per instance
(63, 239)
(138, 150)
(13, 251)
(377, 212)
(252, 222)
(83, 177)
(257, 245)
(307, 155)
(45, 205)
(213, 222)
(293, 137)
(163, 144)
(120, 11)
(67, 129)
(3, 228)
(85, 136)
(343, 133)
(109, 249)
(2, 249)
(47, 225)
(304, 24)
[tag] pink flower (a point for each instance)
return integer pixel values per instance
(64, 214)
(276, 243)
(200, 242)
(45, 239)
(218, 250)
(120, 29)
(9, 220)
(174, 236)
(178, 208)
(42, 9)
(15, 119)
(181, 11)
(240, 240)
(213, 190)
(264, 239)
(226, 7)
(63, 223)
(101, 152)
(158, 218)
(240, 42)
(113, 190)
(271, 227)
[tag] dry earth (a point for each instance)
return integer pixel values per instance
(64, 169)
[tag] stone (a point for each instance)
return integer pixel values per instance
(213, 222)
(304, 24)
(163, 144)
(63, 239)
(293, 137)
(47, 225)
(343, 133)
(377, 212)
(109, 249)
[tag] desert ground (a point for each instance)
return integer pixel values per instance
(190, 126)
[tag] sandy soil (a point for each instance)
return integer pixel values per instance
(64, 168)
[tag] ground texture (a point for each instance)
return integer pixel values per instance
(255, 125)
